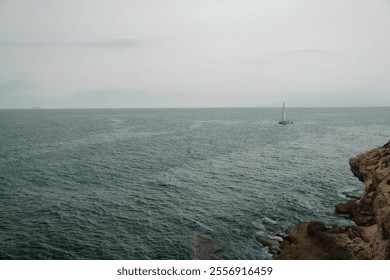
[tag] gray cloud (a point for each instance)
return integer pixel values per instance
(347, 98)
(18, 94)
(122, 43)
(108, 97)
(26, 44)
(15, 86)
(305, 53)
(114, 97)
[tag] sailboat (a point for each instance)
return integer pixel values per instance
(284, 121)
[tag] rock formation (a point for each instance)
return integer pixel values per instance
(370, 238)
(205, 247)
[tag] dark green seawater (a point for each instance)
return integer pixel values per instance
(141, 183)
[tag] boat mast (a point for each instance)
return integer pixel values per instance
(283, 113)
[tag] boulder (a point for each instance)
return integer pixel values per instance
(314, 227)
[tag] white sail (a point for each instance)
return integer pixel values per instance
(284, 119)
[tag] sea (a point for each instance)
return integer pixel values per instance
(137, 184)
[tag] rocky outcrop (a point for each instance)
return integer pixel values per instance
(205, 247)
(370, 238)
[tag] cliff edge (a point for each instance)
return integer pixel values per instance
(370, 238)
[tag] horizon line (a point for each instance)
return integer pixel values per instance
(37, 108)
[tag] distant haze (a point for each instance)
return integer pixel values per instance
(181, 53)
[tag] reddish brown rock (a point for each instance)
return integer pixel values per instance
(314, 227)
(346, 208)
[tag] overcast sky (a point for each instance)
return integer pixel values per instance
(194, 53)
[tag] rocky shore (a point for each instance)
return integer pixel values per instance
(369, 239)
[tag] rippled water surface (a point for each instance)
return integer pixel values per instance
(141, 183)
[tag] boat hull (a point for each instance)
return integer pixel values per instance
(285, 122)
